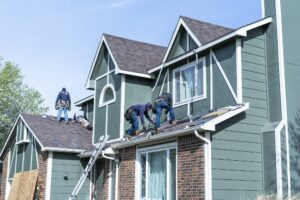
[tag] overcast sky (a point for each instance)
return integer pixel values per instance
(54, 42)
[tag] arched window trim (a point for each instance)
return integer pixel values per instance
(102, 94)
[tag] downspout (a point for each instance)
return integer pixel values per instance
(207, 163)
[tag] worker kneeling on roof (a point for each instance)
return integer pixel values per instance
(164, 101)
(132, 114)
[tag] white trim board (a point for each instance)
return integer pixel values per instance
(241, 32)
(225, 78)
(180, 23)
(84, 100)
(49, 175)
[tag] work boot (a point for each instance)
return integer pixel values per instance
(174, 122)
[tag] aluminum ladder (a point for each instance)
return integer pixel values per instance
(95, 154)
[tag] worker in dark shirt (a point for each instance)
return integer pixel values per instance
(133, 112)
(63, 104)
(164, 101)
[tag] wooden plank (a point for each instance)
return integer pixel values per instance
(256, 42)
(257, 112)
(235, 165)
(253, 49)
(219, 174)
(256, 103)
(24, 185)
(237, 185)
(254, 76)
(236, 155)
(255, 94)
(250, 84)
(13, 193)
(236, 146)
(238, 136)
(254, 67)
(253, 58)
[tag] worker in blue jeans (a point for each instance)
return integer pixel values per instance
(63, 104)
(164, 101)
(132, 114)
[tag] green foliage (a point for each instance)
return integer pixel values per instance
(15, 98)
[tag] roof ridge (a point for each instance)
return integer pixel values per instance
(205, 22)
(132, 40)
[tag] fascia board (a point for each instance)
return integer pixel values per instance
(149, 76)
(94, 63)
(78, 103)
(175, 33)
(9, 136)
(241, 32)
(208, 126)
(62, 150)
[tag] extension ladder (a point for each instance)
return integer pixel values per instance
(95, 154)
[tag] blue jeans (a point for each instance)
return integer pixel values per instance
(65, 110)
(159, 106)
(135, 124)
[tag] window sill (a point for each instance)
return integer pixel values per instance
(107, 103)
(22, 141)
(185, 102)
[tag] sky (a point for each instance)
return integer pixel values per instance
(54, 42)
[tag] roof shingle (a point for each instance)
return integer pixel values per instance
(135, 56)
(205, 32)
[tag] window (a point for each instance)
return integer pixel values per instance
(157, 172)
(189, 83)
(107, 95)
(22, 133)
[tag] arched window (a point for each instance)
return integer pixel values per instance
(107, 96)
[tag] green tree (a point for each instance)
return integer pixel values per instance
(15, 98)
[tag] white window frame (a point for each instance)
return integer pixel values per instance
(162, 147)
(102, 94)
(192, 99)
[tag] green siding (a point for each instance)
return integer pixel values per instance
(71, 165)
(237, 150)
(101, 65)
(137, 91)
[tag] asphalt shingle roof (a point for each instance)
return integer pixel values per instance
(59, 135)
(135, 56)
(205, 32)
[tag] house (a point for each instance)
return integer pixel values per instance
(235, 90)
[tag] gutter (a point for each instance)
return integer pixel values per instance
(207, 164)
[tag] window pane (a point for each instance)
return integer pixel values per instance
(143, 166)
(157, 175)
(173, 174)
(177, 78)
(109, 95)
(188, 81)
(200, 80)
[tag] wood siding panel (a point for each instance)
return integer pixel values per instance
(73, 167)
(237, 145)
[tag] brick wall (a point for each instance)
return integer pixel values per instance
(42, 174)
(190, 168)
(4, 177)
(106, 178)
(127, 173)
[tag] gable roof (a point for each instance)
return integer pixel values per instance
(53, 135)
(204, 31)
(134, 56)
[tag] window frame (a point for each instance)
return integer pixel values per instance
(156, 148)
(195, 98)
(102, 94)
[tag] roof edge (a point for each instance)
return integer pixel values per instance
(240, 32)
(81, 101)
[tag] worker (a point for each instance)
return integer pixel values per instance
(63, 104)
(80, 118)
(164, 101)
(132, 114)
